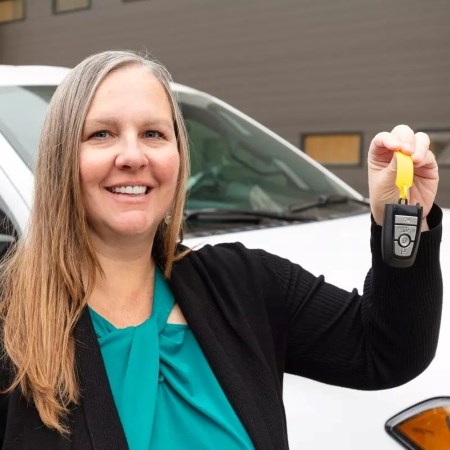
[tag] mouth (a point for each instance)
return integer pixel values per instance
(129, 190)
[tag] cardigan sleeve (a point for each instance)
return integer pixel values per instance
(380, 339)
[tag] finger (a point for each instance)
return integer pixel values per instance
(429, 161)
(406, 136)
(386, 140)
(421, 147)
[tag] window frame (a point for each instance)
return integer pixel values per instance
(360, 134)
(20, 19)
(68, 11)
(430, 132)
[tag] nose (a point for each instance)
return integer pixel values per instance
(131, 154)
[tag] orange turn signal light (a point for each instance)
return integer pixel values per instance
(425, 426)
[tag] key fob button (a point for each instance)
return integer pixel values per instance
(404, 240)
(403, 251)
(405, 220)
(401, 230)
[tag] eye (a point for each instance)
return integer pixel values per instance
(101, 134)
(153, 134)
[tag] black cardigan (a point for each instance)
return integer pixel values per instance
(256, 316)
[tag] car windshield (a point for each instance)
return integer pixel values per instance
(22, 112)
(240, 172)
(236, 165)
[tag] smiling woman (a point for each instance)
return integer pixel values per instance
(117, 335)
(129, 161)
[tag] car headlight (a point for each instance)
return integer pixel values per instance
(424, 426)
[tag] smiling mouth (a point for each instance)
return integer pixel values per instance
(129, 190)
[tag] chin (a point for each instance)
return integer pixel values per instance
(132, 229)
(135, 229)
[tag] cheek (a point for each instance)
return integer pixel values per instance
(87, 168)
(170, 168)
(91, 169)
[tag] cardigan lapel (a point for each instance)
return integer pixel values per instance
(252, 395)
(96, 422)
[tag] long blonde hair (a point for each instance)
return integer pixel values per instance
(43, 293)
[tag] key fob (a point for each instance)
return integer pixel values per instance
(401, 234)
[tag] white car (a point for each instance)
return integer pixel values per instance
(250, 185)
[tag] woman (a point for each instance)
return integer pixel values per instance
(116, 336)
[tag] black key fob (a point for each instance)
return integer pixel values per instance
(401, 234)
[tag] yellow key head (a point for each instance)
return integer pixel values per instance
(405, 174)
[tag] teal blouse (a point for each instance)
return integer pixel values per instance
(164, 389)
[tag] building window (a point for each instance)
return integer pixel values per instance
(61, 6)
(333, 149)
(11, 10)
(440, 145)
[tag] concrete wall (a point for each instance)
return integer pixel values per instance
(295, 65)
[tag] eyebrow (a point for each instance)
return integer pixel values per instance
(111, 121)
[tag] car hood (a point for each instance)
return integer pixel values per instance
(338, 248)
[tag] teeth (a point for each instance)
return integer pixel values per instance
(136, 190)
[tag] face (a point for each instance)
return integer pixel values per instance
(129, 159)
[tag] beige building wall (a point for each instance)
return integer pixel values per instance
(297, 66)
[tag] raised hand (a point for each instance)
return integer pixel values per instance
(382, 169)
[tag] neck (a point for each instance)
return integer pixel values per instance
(123, 294)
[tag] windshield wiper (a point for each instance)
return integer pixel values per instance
(242, 215)
(326, 200)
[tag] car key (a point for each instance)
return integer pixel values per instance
(401, 223)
